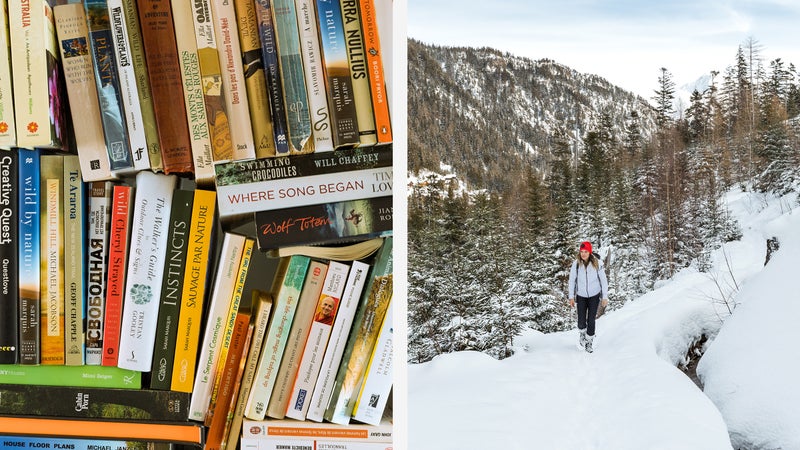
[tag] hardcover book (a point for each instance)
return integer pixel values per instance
(311, 360)
(371, 401)
(75, 444)
(99, 224)
(106, 78)
(51, 217)
(286, 289)
(199, 135)
(8, 132)
(277, 106)
(29, 255)
(177, 433)
(9, 256)
(357, 60)
(118, 243)
(74, 262)
(324, 224)
(77, 376)
(148, 247)
(93, 403)
(255, 79)
(164, 72)
(79, 76)
(172, 289)
(298, 335)
(375, 69)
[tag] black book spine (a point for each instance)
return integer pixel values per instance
(9, 263)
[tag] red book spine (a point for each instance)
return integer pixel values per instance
(117, 262)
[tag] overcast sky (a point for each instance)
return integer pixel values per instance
(624, 41)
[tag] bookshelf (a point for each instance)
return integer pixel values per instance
(117, 407)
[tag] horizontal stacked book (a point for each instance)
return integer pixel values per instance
(152, 153)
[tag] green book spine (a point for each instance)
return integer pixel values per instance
(82, 376)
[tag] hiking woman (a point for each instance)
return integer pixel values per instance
(587, 283)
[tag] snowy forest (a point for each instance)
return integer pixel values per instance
(490, 243)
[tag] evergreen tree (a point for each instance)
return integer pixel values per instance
(664, 98)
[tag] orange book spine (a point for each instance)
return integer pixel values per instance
(185, 433)
(117, 262)
(378, 88)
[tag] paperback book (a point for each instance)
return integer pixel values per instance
(79, 376)
(9, 258)
(29, 256)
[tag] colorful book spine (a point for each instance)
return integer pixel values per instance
(199, 135)
(286, 287)
(115, 128)
(142, 82)
(72, 444)
(131, 430)
(298, 335)
(278, 430)
(194, 286)
(129, 90)
(51, 216)
(314, 74)
(38, 105)
(79, 75)
(118, 243)
(230, 61)
(148, 248)
(74, 262)
(78, 376)
(171, 289)
(8, 132)
(332, 357)
(164, 72)
(99, 224)
(290, 65)
(217, 319)
(311, 360)
(338, 83)
(377, 79)
(93, 403)
(324, 224)
(370, 315)
(371, 401)
(255, 79)
(29, 270)
(269, 54)
(384, 19)
(9, 256)
(357, 59)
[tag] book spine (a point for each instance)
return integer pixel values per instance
(9, 256)
(324, 224)
(192, 298)
(377, 79)
(171, 289)
(261, 303)
(78, 376)
(266, 33)
(288, 283)
(199, 136)
(249, 443)
(211, 76)
(311, 361)
(99, 223)
(29, 279)
(51, 216)
(371, 400)
(148, 248)
(93, 403)
(79, 75)
(298, 335)
(36, 80)
(72, 444)
(356, 58)
(142, 82)
(230, 61)
(366, 326)
(277, 430)
(74, 262)
(218, 310)
(164, 72)
(290, 65)
(108, 88)
(8, 132)
(314, 73)
(129, 90)
(383, 16)
(338, 83)
(255, 79)
(228, 429)
(333, 354)
(130, 430)
(121, 209)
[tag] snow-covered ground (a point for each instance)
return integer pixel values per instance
(628, 394)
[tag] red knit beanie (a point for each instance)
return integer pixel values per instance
(586, 245)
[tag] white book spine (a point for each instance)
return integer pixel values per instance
(230, 257)
(338, 341)
(378, 382)
(230, 61)
(311, 361)
(250, 443)
(145, 271)
(99, 221)
(315, 77)
(128, 88)
(8, 135)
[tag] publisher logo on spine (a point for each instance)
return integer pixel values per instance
(301, 398)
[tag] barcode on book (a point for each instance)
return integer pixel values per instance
(301, 398)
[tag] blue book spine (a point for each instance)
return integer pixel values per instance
(269, 54)
(29, 281)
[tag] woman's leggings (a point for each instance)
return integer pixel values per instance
(587, 309)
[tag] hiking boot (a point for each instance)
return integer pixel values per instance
(588, 345)
(582, 339)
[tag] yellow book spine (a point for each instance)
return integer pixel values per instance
(52, 260)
